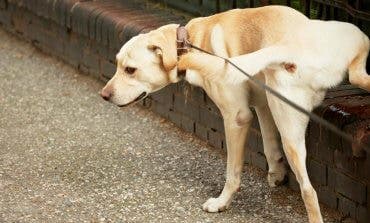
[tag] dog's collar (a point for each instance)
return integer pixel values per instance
(182, 44)
(182, 40)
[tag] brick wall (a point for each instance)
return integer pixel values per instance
(88, 34)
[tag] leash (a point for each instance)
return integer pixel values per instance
(183, 44)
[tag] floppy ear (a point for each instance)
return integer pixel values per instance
(163, 42)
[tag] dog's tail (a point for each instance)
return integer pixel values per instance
(357, 68)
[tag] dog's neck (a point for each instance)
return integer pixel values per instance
(183, 47)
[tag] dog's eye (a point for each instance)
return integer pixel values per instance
(130, 70)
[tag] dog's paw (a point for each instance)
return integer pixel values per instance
(277, 178)
(278, 175)
(215, 205)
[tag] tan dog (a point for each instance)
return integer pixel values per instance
(148, 62)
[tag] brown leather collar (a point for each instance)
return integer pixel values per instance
(182, 40)
(182, 43)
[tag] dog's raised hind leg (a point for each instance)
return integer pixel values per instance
(253, 63)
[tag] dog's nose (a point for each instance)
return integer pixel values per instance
(106, 94)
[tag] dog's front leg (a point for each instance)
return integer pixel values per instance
(236, 128)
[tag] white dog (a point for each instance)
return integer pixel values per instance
(299, 57)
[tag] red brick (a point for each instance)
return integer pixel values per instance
(80, 17)
(107, 68)
(215, 139)
(117, 37)
(317, 172)
(350, 188)
(139, 22)
(91, 61)
(5, 18)
(211, 105)
(356, 167)
(160, 109)
(187, 124)
(363, 214)
(325, 154)
(73, 50)
(175, 117)
(92, 21)
(312, 140)
(3, 4)
(187, 108)
(64, 12)
(129, 31)
(201, 131)
(109, 22)
(211, 119)
(331, 177)
(347, 207)
(327, 196)
(43, 8)
(164, 96)
(196, 94)
(105, 10)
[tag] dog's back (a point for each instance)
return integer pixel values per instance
(247, 30)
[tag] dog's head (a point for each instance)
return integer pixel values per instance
(145, 64)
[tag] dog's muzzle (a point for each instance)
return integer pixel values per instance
(141, 96)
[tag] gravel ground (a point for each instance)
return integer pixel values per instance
(68, 156)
